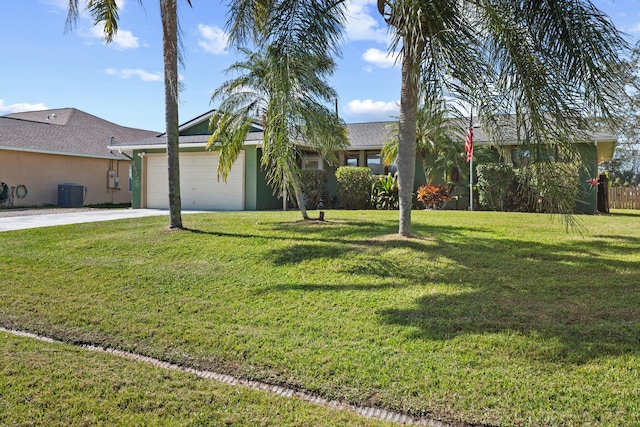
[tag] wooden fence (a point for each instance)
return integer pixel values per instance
(624, 197)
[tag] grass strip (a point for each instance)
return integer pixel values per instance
(56, 384)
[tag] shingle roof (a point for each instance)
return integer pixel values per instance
(373, 135)
(64, 131)
(362, 136)
(368, 135)
(185, 140)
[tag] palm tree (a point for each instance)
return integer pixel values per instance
(551, 63)
(439, 136)
(283, 84)
(286, 91)
(105, 13)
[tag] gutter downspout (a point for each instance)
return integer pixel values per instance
(133, 170)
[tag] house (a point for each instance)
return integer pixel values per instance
(60, 157)
(246, 187)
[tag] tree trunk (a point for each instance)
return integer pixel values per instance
(425, 166)
(169, 15)
(407, 137)
(300, 199)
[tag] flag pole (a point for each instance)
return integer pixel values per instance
(471, 184)
(469, 149)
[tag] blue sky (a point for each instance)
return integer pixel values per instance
(44, 67)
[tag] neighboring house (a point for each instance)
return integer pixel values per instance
(246, 187)
(40, 151)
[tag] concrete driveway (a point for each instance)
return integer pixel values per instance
(22, 219)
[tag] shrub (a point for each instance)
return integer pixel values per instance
(550, 187)
(433, 196)
(384, 192)
(495, 185)
(314, 184)
(354, 187)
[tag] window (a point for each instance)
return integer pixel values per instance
(351, 159)
(520, 157)
(313, 163)
(373, 162)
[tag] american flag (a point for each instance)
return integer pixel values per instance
(468, 144)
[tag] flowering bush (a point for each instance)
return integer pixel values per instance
(433, 196)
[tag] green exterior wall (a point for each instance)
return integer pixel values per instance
(587, 194)
(199, 129)
(332, 182)
(250, 178)
(420, 178)
(136, 180)
(258, 195)
(136, 184)
(265, 200)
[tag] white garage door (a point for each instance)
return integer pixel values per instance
(199, 185)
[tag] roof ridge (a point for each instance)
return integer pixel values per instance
(20, 119)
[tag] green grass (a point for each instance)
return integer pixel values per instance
(45, 384)
(491, 318)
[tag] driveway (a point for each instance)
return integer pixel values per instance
(34, 218)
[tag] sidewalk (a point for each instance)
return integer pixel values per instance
(43, 219)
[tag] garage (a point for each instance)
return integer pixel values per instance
(199, 185)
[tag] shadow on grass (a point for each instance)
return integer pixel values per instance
(585, 328)
(567, 292)
(630, 213)
(619, 244)
(345, 232)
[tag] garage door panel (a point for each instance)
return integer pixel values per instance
(199, 186)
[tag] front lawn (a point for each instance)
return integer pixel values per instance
(53, 384)
(492, 318)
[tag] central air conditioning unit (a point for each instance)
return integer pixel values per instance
(70, 195)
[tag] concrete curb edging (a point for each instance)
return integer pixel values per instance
(366, 411)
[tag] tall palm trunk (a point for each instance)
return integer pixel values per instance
(407, 136)
(169, 15)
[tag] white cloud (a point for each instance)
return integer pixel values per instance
(380, 58)
(373, 110)
(364, 22)
(213, 39)
(122, 40)
(125, 39)
(635, 29)
(127, 73)
(20, 107)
